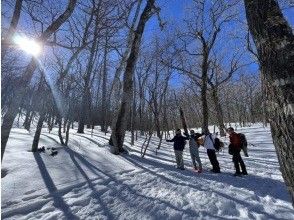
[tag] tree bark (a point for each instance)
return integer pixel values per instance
(59, 131)
(118, 131)
(183, 119)
(12, 28)
(85, 105)
(67, 133)
(219, 111)
(26, 121)
(104, 90)
(274, 41)
(38, 132)
(204, 79)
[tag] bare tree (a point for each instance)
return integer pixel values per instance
(203, 31)
(25, 78)
(118, 131)
(217, 77)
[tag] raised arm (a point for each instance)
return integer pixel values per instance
(172, 140)
(187, 136)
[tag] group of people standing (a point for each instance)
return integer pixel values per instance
(208, 141)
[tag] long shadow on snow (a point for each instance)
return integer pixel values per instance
(213, 177)
(118, 192)
(57, 142)
(53, 139)
(90, 139)
(259, 185)
(96, 194)
(53, 192)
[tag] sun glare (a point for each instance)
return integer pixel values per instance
(28, 45)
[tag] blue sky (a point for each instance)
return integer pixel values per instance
(173, 11)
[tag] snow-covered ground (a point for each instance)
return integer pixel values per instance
(85, 181)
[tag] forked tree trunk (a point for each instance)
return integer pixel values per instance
(119, 129)
(274, 41)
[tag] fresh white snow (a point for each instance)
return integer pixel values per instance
(86, 181)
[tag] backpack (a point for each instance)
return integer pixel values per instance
(218, 145)
(244, 144)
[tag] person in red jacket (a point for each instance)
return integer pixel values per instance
(235, 145)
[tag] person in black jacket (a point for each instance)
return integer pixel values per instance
(179, 145)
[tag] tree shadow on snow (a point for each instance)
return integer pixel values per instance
(90, 139)
(96, 194)
(261, 186)
(119, 188)
(58, 201)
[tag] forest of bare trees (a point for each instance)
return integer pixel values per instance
(101, 67)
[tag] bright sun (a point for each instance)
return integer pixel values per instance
(27, 45)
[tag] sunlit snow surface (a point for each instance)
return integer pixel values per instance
(85, 181)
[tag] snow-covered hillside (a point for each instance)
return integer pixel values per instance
(85, 181)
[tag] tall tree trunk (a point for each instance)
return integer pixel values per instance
(12, 28)
(26, 121)
(30, 121)
(24, 80)
(84, 114)
(157, 125)
(274, 41)
(104, 89)
(264, 108)
(219, 111)
(204, 80)
(67, 132)
(86, 105)
(59, 131)
(64, 125)
(50, 123)
(133, 115)
(115, 86)
(38, 132)
(118, 131)
(183, 120)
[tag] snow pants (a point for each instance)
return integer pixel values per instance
(213, 160)
(238, 161)
(195, 157)
(179, 159)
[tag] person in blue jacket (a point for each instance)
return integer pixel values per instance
(179, 145)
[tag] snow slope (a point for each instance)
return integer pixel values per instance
(85, 181)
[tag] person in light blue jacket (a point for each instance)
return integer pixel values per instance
(194, 150)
